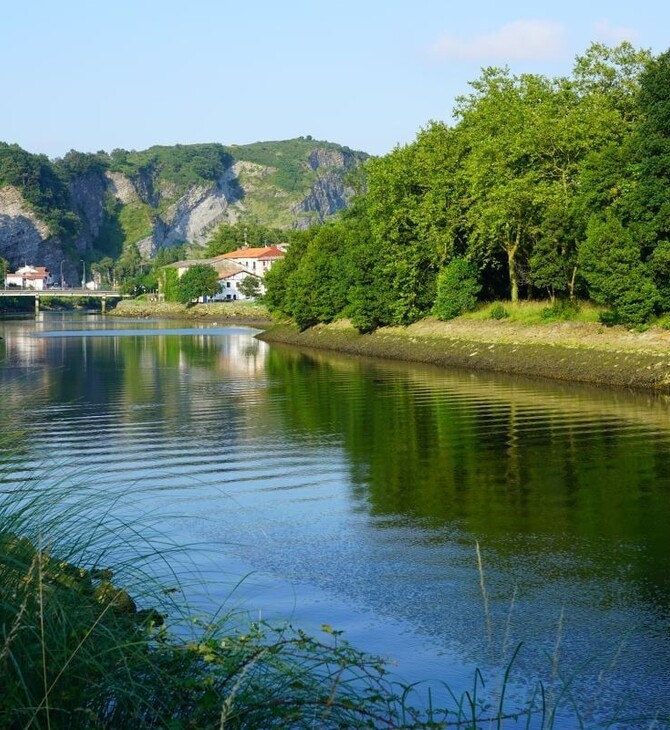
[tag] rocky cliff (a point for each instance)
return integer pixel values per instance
(96, 205)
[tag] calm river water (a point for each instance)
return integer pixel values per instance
(355, 492)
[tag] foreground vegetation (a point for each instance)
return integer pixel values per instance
(84, 645)
(79, 651)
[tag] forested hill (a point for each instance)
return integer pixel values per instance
(101, 204)
(555, 188)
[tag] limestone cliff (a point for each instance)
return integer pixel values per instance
(163, 196)
(24, 238)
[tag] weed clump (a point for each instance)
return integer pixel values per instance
(560, 310)
(498, 311)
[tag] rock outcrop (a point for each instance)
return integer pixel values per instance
(24, 238)
(115, 205)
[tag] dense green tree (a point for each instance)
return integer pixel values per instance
(250, 287)
(611, 74)
(105, 269)
(200, 280)
(316, 291)
(504, 185)
(616, 276)
(42, 186)
(129, 264)
(82, 163)
(278, 277)
(4, 268)
(556, 186)
(652, 146)
(169, 255)
(457, 288)
(414, 220)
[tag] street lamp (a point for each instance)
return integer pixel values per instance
(83, 274)
(62, 261)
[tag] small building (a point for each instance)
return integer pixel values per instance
(30, 277)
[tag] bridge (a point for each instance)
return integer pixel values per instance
(73, 293)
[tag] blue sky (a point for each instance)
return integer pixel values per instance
(91, 75)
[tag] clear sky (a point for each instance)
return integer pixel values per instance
(97, 74)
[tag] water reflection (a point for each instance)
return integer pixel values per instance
(366, 485)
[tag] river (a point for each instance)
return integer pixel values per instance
(439, 518)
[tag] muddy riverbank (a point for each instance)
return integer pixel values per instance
(570, 351)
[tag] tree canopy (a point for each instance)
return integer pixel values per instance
(543, 187)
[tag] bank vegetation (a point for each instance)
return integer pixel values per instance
(555, 189)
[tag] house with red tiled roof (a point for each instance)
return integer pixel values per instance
(254, 260)
(230, 274)
(30, 277)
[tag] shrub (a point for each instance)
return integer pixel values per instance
(498, 311)
(457, 288)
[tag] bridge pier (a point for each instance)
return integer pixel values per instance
(103, 305)
(37, 303)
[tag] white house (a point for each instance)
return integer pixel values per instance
(229, 285)
(30, 277)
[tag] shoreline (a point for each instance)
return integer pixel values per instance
(247, 313)
(566, 351)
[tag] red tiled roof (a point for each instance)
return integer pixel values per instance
(267, 252)
(37, 272)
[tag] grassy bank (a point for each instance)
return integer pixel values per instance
(585, 352)
(236, 312)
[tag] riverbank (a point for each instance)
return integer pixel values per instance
(246, 313)
(570, 351)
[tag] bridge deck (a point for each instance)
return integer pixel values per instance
(99, 294)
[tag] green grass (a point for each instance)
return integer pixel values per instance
(538, 312)
(663, 321)
(178, 165)
(84, 645)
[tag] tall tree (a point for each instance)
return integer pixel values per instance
(505, 186)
